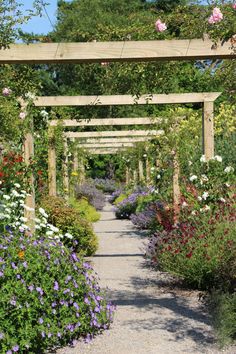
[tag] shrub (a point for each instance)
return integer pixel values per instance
(148, 218)
(104, 184)
(115, 195)
(94, 196)
(79, 233)
(48, 297)
(198, 249)
(86, 210)
(128, 205)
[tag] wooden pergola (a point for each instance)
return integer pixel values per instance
(126, 51)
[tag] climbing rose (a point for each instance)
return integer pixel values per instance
(234, 6)
(6, 91)
(160, 26)
(216, 16)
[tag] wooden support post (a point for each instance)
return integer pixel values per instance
(52, 183)
(81, 171)
(140, 170)
(176, 188)
(127, 175)
(148, 171)
(135, 177)
(28, 153)
(65, 169)
(208, 129)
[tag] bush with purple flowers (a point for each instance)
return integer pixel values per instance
(105, 184)
(128, 206)
(147, 218)
(48, 297)
(94, 196)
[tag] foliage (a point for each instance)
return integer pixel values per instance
(86, 210)
(94, 196)
(106, 185)
(78, 231)
(148, 218)
(197, 248)
(128, 206)
(115, 195)
(48, 296)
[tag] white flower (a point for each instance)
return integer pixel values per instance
(222, 200)
(7, 197)
(203, 158)
(37, 220)
(43, 225)
(53, 228)
(156, 191)
(205, 208)
(17, 185)
(192, 178)
(190, 163)
(43, 212)
(152, 168)
(144, 155)
(68, 235)
(15, 193)
(184, 204)
(44, 113)
(194, 212)
(23, 192)
(158, 176)
(21, 229)
(218, 158)
(37, 227)
(229, 169)
(27, 208)
(205, 195)
(199, 198)
(22, 218)
(30, 95)
(49, 233)
(204, 178)
(7, 210)
(227, 185)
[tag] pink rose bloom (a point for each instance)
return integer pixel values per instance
(6, 91)
(234, 6)
(216, 16)
(22, 115)
(160, 26)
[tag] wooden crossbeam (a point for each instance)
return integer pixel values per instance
(115, 133)
(105, 145)
(90, 52)
(104, 151)
(105, 122)
(132, 139)
(45, 101)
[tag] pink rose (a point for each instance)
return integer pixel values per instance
(6, 91)
(234, 6)
(216, 16)
(160, 26)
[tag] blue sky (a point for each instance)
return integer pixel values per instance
(41, 25)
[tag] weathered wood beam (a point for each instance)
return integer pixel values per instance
(106, 145)
(104, 121)
(104, 151)
(45, 101)
(90, 52)
(131, 139)
(115, 133)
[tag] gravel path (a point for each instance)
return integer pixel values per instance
(150, 318)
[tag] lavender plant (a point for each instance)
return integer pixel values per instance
(92, 194)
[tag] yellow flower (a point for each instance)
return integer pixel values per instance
(74, 173)
(21, 254)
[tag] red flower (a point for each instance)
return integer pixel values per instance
(189, 255)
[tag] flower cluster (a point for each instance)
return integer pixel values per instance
(128, 206)
(105, 184)
(94, 196)
(160, 26)
(48, 296)
(216, 16)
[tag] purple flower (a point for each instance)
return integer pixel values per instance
(39, 290)
(31, 288)
(13, 265)
(76, 305)
(49, 335)
(56, 286)
(66, 291)
(18, 276)
(97, 309)
(1, 274)
(15, 348)
(25, 264)
(43, 334)
(54, 304)
(1, 335)
(74, 257)
(40, 320)
(13, 302)
(86, 300)
(59, 335)
(9, 352)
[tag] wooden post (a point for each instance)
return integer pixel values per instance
(28, 153)
(135, 177)
(148, 171)
(140, 170)
(52, 183)
(208, 129)
(65, 168)
(127, 175)
(176, 188)
(81, 171)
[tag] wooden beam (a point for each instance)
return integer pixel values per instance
(45, 101)
(131, 139)
(106, 145)
(90, 52)
(115, 133)
(104, 122)
(104, 151)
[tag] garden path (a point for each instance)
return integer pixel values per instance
(152, 316)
